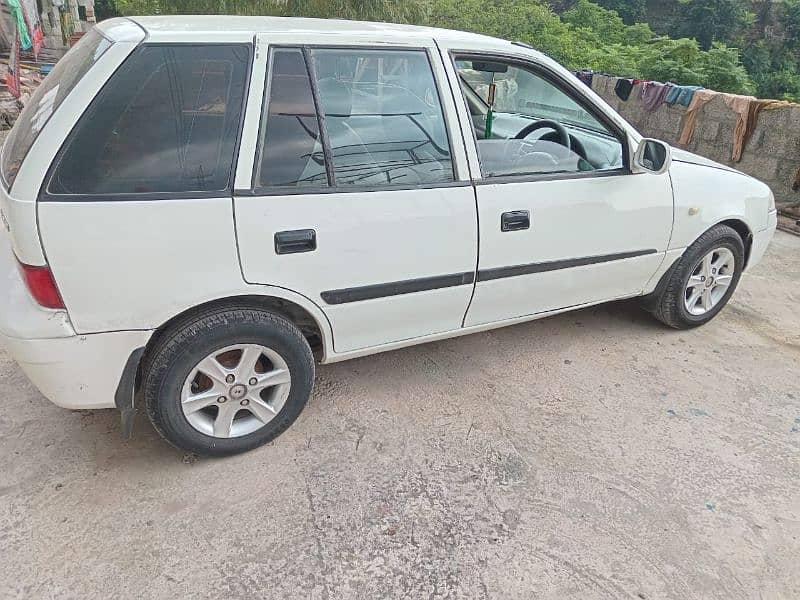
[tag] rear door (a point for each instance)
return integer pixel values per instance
(351, 189)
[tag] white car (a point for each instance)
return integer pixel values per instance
(195, 209)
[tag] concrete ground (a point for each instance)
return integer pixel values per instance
(591, 455)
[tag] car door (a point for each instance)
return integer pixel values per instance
(351, 189)
(563, 221)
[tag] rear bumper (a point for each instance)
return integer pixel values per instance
(79, 371)
(761, 239)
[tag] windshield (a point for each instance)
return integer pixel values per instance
(518, 91)
(47, 98)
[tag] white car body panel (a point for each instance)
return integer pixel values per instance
(570, 218)
(153, 266)
(705, 196)
(125, 268)
(366, 239)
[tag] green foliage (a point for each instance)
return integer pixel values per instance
(605, 26)
(607, 35)
(710, 20)
(105, 9)
(368, 10)
(631, 11)
(635, 51)
(521, 20)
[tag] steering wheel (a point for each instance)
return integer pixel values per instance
(563, 135)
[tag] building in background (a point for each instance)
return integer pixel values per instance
(61, 21)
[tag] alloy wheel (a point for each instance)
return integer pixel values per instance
(236, 390)
(709, 281)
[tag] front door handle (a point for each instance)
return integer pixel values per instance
(298, 240)
(515, 220)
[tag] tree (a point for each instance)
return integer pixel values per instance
(631, 11)
(710, 20)
(105, 9)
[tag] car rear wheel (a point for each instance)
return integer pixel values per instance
(227, 381)
(703, 279)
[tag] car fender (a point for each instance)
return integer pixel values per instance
(706, 195)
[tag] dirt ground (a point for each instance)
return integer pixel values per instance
(591, 455)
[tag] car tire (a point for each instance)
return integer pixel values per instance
(698, 271)
(180, 378)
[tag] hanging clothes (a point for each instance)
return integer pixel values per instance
(16, 11)
(682, 94)
(12, 74)
(31, 14)
(756, 107)
(585, 76)
(623, 89)
(741, 106)
(654, 94)
(699, 100)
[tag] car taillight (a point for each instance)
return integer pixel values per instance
(41, 285)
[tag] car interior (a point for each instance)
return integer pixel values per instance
(523, 124)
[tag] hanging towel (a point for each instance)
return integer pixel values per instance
(623, 89)
(756, 106)
(741, 106)
(19, 18)
(585, 76)
(654, 94)
(682, 94)
(700, 99)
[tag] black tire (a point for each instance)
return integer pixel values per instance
(669, 307)
(167, 365)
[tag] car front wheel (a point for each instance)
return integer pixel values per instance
(703, 279)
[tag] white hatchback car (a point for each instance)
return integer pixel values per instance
(195, 208)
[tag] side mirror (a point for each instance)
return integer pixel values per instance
(652, 156)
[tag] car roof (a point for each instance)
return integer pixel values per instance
(209, 28)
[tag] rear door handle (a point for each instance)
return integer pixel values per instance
(298, 240)
(515, 220)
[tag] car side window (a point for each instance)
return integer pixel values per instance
(291, 149)
(526, 125)
(383, 117)
(167, 121)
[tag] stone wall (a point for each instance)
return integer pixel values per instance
(772, 155)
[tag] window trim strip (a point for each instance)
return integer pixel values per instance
(327, 152)
(312, 190)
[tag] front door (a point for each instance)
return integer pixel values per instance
(359, 198)
(563, 221)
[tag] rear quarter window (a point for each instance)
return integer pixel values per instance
(166, 122)
(47, 98)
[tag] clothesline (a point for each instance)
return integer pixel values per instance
(654, 94)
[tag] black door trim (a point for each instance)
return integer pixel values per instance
(555, 265)
(423, 284)
(396, 288)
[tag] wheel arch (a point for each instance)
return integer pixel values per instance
(738, 225)
(744, 231)
(315, 328)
